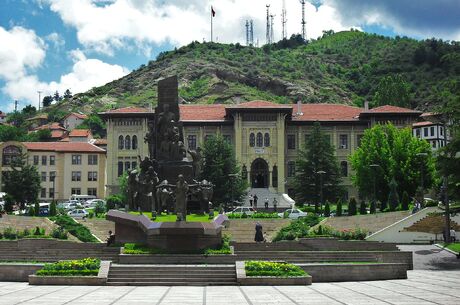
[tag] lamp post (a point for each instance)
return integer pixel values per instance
(321, 173)
(422, 155)
(374, 167)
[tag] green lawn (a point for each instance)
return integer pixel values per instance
(172, 218)
(454, 247)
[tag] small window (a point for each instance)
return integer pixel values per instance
(291, 169)
(43, 193)
(92, 191)
(76, 176)
(127, 166)
(76, 159)
(291, 141)
(52, 175)
(434, 144)
(259, 140)
(432, 131)
(128, 142)
(76, 191)
(134, 146)
(51, 192)
(121, 142)
(343, 141)
(441, 131)
(417, 133)
(43, 176)
(44, 160)
(266, 139)
(92, 176)
(92, 159)
(134, 165)
(425, 132)
(36, 160)
(252, 140)
(275, 176)
(191, 140)
(344, 168)
(120, 168)
(52, 160)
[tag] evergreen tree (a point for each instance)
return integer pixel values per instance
(56, 96)
(327, 209)
(47, 100)
(9, 202)
(373, 208)
(393, 198)
(405, 201)
(36, 209)
(219, 167)
(53, 210)
(67, 94)
(338, 210)
(352, 209)
(362, 208)
(383, 206)
(318, 155)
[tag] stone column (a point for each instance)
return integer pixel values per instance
(237, 125)
(281, 138)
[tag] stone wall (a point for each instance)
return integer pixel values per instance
(17, 272)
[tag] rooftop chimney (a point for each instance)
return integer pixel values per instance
(366, 105)
(299, 108)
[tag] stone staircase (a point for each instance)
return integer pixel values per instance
(52, 252)
(263, 193)
(171, 275)
(432, 223)
(243, 230)
(308, 256)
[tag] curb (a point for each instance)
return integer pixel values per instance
(447, 249)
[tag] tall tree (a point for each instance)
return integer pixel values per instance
(220, 168)
(387, 152)
(96, 124)
(29, 110)
(47, 100)
(393, 90)
(23, 181)
(317, 167)
(57, 97)
(67, 94)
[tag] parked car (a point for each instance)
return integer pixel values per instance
(93, 202)
(78, 213)
(292, 214)
(241, 210)
(71, 205)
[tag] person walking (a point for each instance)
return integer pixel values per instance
(259, 237)
(255, 200)
(266, 203)
(275, 203)
(250, 199)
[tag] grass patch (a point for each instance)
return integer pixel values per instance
(453, 246)
(133, 248)
(224, 249)
(278, 269)
(82, 267)
(253, 216)
(172, 218)
(76, 229)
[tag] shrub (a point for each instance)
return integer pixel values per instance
(85, 267)
(76, 229)
(224, 248)
(362, 208)
(9, 233)
(352, 206)
(373, 208)
(31, 211)
(53, 210)
(405, 201)
(99, 208)
(39, 231)
(135, 248)
(9, 201)
(338, 211)
(263, 268)
(26, 232)
(59, 233)
(37, 209)
(297, 229)
(356, 234)
(112, 202)
(327, 209)
(383, 206)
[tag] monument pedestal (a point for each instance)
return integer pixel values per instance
(169, 170)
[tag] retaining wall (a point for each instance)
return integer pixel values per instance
(17, 272)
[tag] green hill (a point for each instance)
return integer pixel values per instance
(343, 67)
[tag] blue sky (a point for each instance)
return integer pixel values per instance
(51, 45)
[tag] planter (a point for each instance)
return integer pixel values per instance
(242, 279)
(100, 279)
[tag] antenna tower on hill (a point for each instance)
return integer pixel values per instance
(268, 36)
(284, 20)
(247, 32)
(251, 32)
(303, 19)
(272, 35)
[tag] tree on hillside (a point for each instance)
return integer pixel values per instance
(47, 100)
(42, 135)
(67, 94)
(23, 181)
(392, 90)
(29, 110)
(315, 157)
(393, 153)
(57, 97)
(95, 124)
(220, 168)
(11, 133)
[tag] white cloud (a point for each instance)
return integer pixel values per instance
(56, 40)
(115, 24)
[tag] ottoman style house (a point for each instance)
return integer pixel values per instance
(266, 136)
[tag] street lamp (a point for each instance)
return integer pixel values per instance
(422, 155)
(321, 173)
(374, 167)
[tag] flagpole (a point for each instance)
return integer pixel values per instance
(211, 23)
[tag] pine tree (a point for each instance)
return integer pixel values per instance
(53, 211)
(373, 208)
(405, 201)
(362, 208)
(327, 209)
(37, 209)
(383, 206)
(352, 206)
(393, 198)
(338, 210)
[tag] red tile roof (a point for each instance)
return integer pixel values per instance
(52, 126)
(259, 104)
(80, 133)
(424, 123)
(326, 112)
(202, 112)
(100, 142)
(78, 115)
(130, 109)
(39, 117)
(390, 109)
(63, 147)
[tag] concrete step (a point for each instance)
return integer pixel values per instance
(176, 283)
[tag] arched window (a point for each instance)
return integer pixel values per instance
(275, 176)
(121, 142)
(266, 139)
(252, 140)
(127, 142)
(10, 153)
(120, 168)
(134, 146)
(260, 140)
(344, 168)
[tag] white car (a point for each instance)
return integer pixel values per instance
(78, 213)
(241, 210)
(293, 214)
(92, 203)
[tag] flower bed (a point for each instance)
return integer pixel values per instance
(278, 269)
(83, 267)
(270, 273)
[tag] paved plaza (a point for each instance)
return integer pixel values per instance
(421, 287)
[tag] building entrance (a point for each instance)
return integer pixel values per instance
(259, 173)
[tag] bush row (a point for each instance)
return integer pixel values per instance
(252, 216)
(76, 229)
(263, 268)
(297, 229)
(85, 267)
(11, 234)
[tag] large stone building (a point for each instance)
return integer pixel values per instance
(266, 136)
(65, 168)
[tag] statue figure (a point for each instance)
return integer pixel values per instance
(181, 198)
(150, 139)
(207, 191)
(196, 157)
(166, 120)
(164, 195)
(133, 190)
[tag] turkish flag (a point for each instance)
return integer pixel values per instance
(213, 12)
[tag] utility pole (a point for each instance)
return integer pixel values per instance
(268, 36)
(303, 19)
(272, 36)
(284, 20)
(39, 98)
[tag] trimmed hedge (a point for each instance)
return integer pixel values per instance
(76, 229)
(297, 229)
(253, 216)
(279, 269)
(82, 267)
